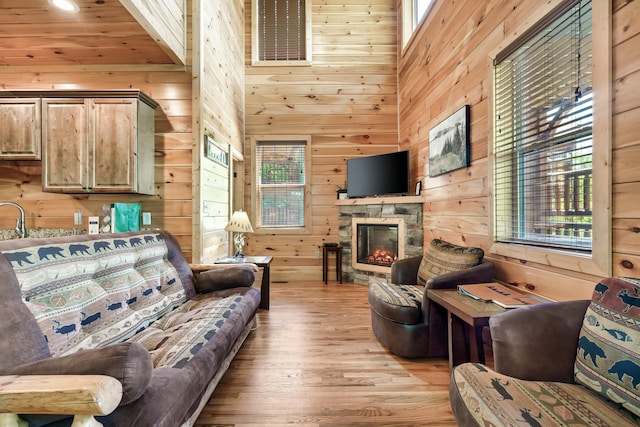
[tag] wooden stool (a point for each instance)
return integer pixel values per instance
(325, 262)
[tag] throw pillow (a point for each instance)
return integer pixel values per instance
(607, 359)
(129, 363)
(443, 257)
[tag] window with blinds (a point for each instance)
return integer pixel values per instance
(543, 134)
(281, 30)
(281, 183)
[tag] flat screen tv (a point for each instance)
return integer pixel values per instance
(382, 174)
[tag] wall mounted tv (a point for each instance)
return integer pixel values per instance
(382, 174)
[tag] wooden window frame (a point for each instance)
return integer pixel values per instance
(258, 229)
(599, 261)
(410, 20)
(255, 40)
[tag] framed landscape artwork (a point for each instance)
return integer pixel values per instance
(449, 143)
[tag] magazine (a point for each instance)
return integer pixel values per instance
(499, 294)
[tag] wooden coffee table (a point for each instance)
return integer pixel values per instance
(466, 317)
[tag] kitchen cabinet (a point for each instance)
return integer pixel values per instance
(98, 144)
(20, 137)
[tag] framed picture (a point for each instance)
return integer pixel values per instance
(449, 143)
(215, 152)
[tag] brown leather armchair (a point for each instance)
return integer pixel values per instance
(403, 319)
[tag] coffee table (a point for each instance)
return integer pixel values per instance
(466, 317)
(263, 262)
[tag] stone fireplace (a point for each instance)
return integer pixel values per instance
(404, 214)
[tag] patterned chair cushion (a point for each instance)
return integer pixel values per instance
(400, 303)
(442, 257)
(607, 361)
(499, 400)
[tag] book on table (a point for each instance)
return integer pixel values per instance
(498, 294)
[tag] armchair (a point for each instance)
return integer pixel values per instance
(403, 318)
(557, 364)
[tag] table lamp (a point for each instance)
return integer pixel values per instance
(239, 223)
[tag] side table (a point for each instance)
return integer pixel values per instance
(263, 262)
(326, 250)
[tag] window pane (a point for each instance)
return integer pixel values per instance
(421, 7)
(281, 183)
(281, 26)
(543, 136)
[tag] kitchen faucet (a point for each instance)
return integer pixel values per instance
(20, 228)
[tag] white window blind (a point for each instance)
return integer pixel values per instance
(281, 30)
(280, 174)
(543, 134)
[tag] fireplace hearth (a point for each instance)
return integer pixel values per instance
(405, 212)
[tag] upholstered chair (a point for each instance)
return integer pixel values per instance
(558, 364)
(403, 318)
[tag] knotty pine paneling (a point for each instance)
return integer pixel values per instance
(346, 101)
(446, 66)
(170, 206)
(219, 96)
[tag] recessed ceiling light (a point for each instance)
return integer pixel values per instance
(66, 5)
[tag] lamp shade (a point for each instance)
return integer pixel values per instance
(239, 223)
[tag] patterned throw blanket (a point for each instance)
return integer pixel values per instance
(92, 294)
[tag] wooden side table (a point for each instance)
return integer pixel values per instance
(326, 250)
(263, 262)
(466, 317)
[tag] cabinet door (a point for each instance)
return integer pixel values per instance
(112, 158)
(20, 129)
(64, 135)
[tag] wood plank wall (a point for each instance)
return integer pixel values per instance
(170, 206)
(219, 95)
(346, 101)
(445, 67)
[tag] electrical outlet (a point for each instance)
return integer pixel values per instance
(318, 254)
(146, 218)
(77, 218)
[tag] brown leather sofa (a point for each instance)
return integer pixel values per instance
(403, 318)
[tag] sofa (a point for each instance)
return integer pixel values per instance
(403, 318)
(118, 326)
(558, 364)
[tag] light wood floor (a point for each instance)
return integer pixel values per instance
(313, 361)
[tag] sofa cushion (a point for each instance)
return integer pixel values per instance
(98, 291)
(607, 359)
(177, 338)
(442, 257)
(129, 363)
(482, 395)
(396, 302)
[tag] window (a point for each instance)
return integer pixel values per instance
(282, 191)
(543, 140)
(413, 13)
(551, 130)
(281, 32)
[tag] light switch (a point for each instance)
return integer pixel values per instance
(146, 218)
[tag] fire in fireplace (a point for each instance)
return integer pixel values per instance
(377, 244)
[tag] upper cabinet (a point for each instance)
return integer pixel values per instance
(20, 129)
(98, 145)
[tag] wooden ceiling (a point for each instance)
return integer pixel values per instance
(35, 33)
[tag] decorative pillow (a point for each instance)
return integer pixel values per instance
(225, 278)
(442, 257)
(129, 363)
(607, 359)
